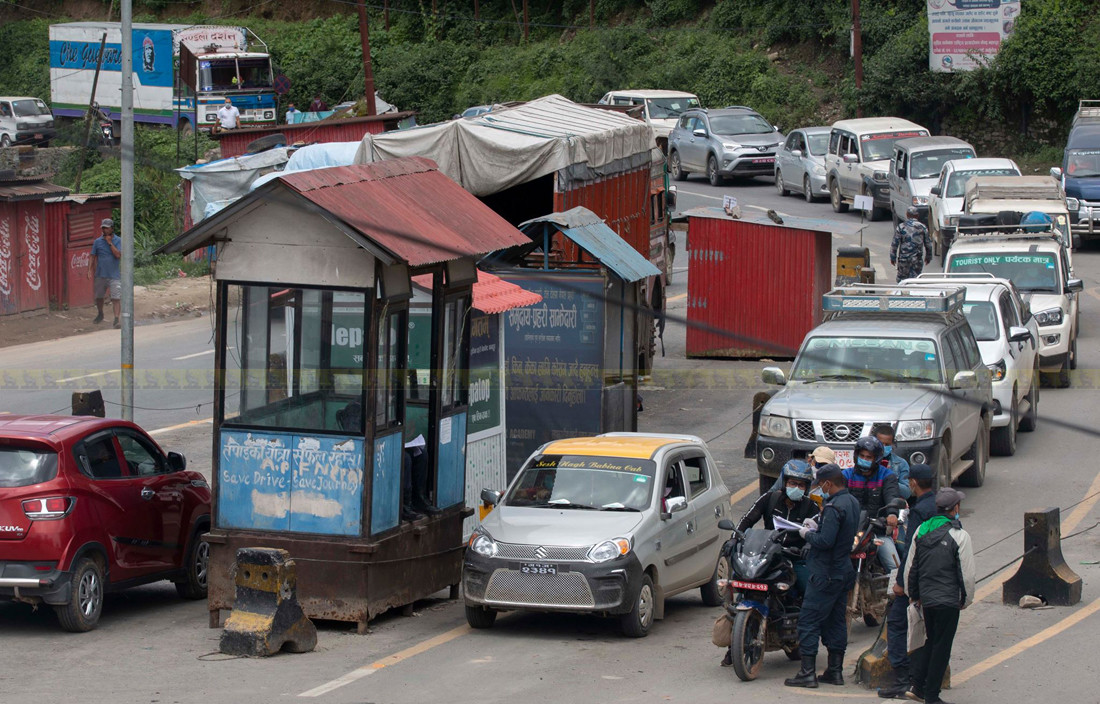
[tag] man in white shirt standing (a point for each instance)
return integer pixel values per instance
(229, 117)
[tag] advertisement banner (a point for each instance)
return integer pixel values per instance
(963, 33)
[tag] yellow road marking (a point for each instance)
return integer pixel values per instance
(1043, 635)
(188, 424)
(743, 492)
(677, 297)
(388, 661)
(1094, 292)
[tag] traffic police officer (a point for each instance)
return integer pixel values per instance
(911, 247)
(823, 614)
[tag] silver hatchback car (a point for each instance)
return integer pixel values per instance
(800, 163)
(611, 525)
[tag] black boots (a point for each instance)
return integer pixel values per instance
(900, 687)
(806, 676)
(834, 673)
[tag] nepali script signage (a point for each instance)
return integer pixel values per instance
(963, 33)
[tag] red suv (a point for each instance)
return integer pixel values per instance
(91, 505)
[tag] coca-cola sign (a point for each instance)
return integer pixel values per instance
(5, 257)
(33, 242)
(81, 260)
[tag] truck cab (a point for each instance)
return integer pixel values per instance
(1079, 174)
(244, 77)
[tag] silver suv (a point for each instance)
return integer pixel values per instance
(903, 356)
(733, 141)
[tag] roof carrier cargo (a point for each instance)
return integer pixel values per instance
(946, 300)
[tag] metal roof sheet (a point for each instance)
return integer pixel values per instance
(30, 188)
(593, 235)
(759, 217)
(492, 294)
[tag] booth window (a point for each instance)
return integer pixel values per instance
(455, 343)
(294, 359)
(389, 409)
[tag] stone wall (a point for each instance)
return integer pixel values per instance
(34, 160)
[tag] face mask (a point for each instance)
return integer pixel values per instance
(956, 516)
(863, 463)
(794, 493)
(887, 450)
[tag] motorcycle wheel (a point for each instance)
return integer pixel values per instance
(747, 646)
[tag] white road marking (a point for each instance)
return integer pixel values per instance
(87, 376)
(189, 423)
(192, 356)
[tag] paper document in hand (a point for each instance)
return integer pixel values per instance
(418, 441)
(783, 524)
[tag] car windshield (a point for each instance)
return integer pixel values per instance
(895, 359)
(956, 185)
(879, 147)
(1030, 271)
(740, 124)
(24, 466)
(584, 482)
(929, 164)
(668, 108)
(29, 108)
(819, 143)
(1082, 163)
(982, 317)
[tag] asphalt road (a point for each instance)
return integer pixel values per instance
(152, 647)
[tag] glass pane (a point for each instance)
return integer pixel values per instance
(141, 460)
(449, 352)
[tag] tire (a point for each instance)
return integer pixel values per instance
(839, 206)
(676, 168)
(1062, 380)
(639, 620)
(894, 219)
(807, 190)
(713, 176)
(975, 476)
(782, 190)
(5, 141)
(185, 128)
(266, 142)
(876, 214)
(712, 596)
(194, 583)
(479, 617)
(85, 605)
(1002, 441)
(869, 620)
(747, 644)
(943, 468)
(1029, 421)
(1073, 352)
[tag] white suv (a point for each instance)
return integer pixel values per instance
(662, 108)
(1008, 338)
(858, 160)
(947, 200)
(1040, 266)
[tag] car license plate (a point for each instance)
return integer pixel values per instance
(540, 568)
(749, 585)
(845, 459)
(38, 136)
(769, 160)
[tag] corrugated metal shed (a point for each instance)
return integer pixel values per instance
(492, 294)
(29, 188)
(591, 234)
(406, 207)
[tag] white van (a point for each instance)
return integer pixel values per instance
(25, 121)
(662, 108)
(916, 167)
(858, 160)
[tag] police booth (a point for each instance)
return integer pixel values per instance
(313, 395)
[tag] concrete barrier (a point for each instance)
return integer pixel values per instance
(266, 616)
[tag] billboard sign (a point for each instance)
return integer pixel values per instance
(964, 32)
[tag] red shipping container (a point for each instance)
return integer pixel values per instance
(754, 284)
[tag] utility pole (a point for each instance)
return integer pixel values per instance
(127, 211)
(368, 71)
(386, 14)
(88, 116)
(857, 53)
(591, 14)
(477, 11)
(526, 23)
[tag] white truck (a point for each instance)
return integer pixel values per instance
(181, 73)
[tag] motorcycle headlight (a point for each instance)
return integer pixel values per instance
(920, 200)
(775, 426)
(609, 549)
(1072, 204)
(997, 370)
(483, 545)
(916, 430)
(1049, 317)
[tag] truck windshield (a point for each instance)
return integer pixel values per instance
(982, 318)
(896, 359)
(740, 124)
(668, 108)
(878, 147)
(1030, 271)
(255, 73)
(584, 482)
(218, 74)
(29, 108)
(956, 186)
(928, 164)
(1082, 163)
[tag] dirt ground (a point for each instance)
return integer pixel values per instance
(167, 300)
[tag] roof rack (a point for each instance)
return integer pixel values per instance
(1009, 232)
(1088, 108)
(737, 107)
(945, 300)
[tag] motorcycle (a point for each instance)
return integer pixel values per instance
(870, 597)
(759, 598)
(104, 124)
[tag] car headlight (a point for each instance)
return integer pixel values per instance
(730, 146)
(483, 545)
(817, 169)
(22, 126)
(1049, 317)
(920, 200)
(1073, 204)
(953, 220)
(609, 549)
(997, 370)
(916, 430)
(880, 176)
(49, 123)
(775, 426)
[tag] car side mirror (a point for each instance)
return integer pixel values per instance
(851, 158)
(1018, 334)
(674, 504)
(699, 133)
(670, 198)
(176, 462)
(964, 381)
(773, 376)
(796, 152)
(1056, 172)
(936, 191)
(1075, 285)
(726, 524)
(490, 497)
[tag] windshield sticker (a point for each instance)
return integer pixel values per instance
(930, 357)
(641, 478)
(612, 464)
(892, 135)
(994, 259)
(871, 342)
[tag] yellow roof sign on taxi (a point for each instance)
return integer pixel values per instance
(636, 447)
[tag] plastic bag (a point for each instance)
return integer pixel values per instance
(722, 633)
(916, 635)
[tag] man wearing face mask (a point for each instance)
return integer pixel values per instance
(875, 486)
(792, 502)
(823, 614)
(884, 433)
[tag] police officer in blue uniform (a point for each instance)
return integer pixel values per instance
(823, 616)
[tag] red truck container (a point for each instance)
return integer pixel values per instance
(754, 286)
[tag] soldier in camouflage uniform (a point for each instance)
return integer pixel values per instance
(912, 246)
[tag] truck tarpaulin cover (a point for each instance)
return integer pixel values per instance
(219, 183)
(495, 151)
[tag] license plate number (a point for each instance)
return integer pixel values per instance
(770, 160)
(845, 459)
(749, 585)
(38, 136)
(540, 568)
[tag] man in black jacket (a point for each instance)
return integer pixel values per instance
(823, 614)
(939, 576)
(897, 620)
(792, 502)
